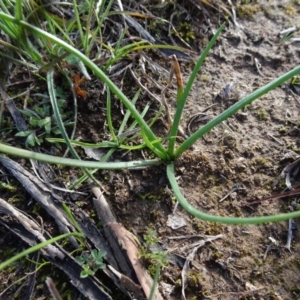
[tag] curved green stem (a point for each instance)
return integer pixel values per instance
(75, 162)
(227, 220)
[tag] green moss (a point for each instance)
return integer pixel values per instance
(93, 214)
(297, 150)
(290, 10)
(194, 278)
(186, 32)
(282, 130)
(296, 289)
(262, 115)
(149, 196)
(247, 10)
(214, 229)
(155, 26)
(205, 41)
(198, 224)
(178, 283)
(260, 161)
(297, 262)
(212, 180)
(205, 77)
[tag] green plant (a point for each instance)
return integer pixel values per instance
(41, 120)
(150, 237)
(186, 32)
(262, 115)
(154, 256)
(91, 263)
(15, 25)
(36, 248)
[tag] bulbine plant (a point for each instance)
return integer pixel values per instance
(165, 149)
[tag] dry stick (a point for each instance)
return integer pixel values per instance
(30, 226)
(12, 108)
(40, 192)
(164, 102)
(276, 196)
(292, 227)
(190, 257)
(30, 233)
(126, 282)
(123, 243)
(53, 289)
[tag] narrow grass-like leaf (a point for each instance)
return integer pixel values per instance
(14, 151)
(155, 281)
(59, 121)
(122, 52)
(109, 117)
(234, 108)
(38, 247)
(151, 146)
(79, 23)
(85, 177)
(105, 144)
(127, 114)
(71, 217)
(94, 68)
(18, 10)
(181, 102)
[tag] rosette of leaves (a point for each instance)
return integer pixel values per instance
(91, 263)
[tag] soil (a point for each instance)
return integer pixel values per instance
(248, 151)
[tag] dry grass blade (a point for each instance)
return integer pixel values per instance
(175, 69)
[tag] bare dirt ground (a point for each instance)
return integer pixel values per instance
(248, 151)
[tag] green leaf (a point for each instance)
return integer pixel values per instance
(39, 110)
(30, 141)
(94, 254)
(101, 253)
(56, 132)
(81, 259)
(47, 124)
(60, 93)
(23, 133)
(26, 113)
(34, 121)
(100, 265)
(85, 273)
(38, 140)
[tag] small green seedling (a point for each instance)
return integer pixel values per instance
(91, 263)
(152, 255)
(41, 123)
(150, 237)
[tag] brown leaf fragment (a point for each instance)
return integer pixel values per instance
(176, 69)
